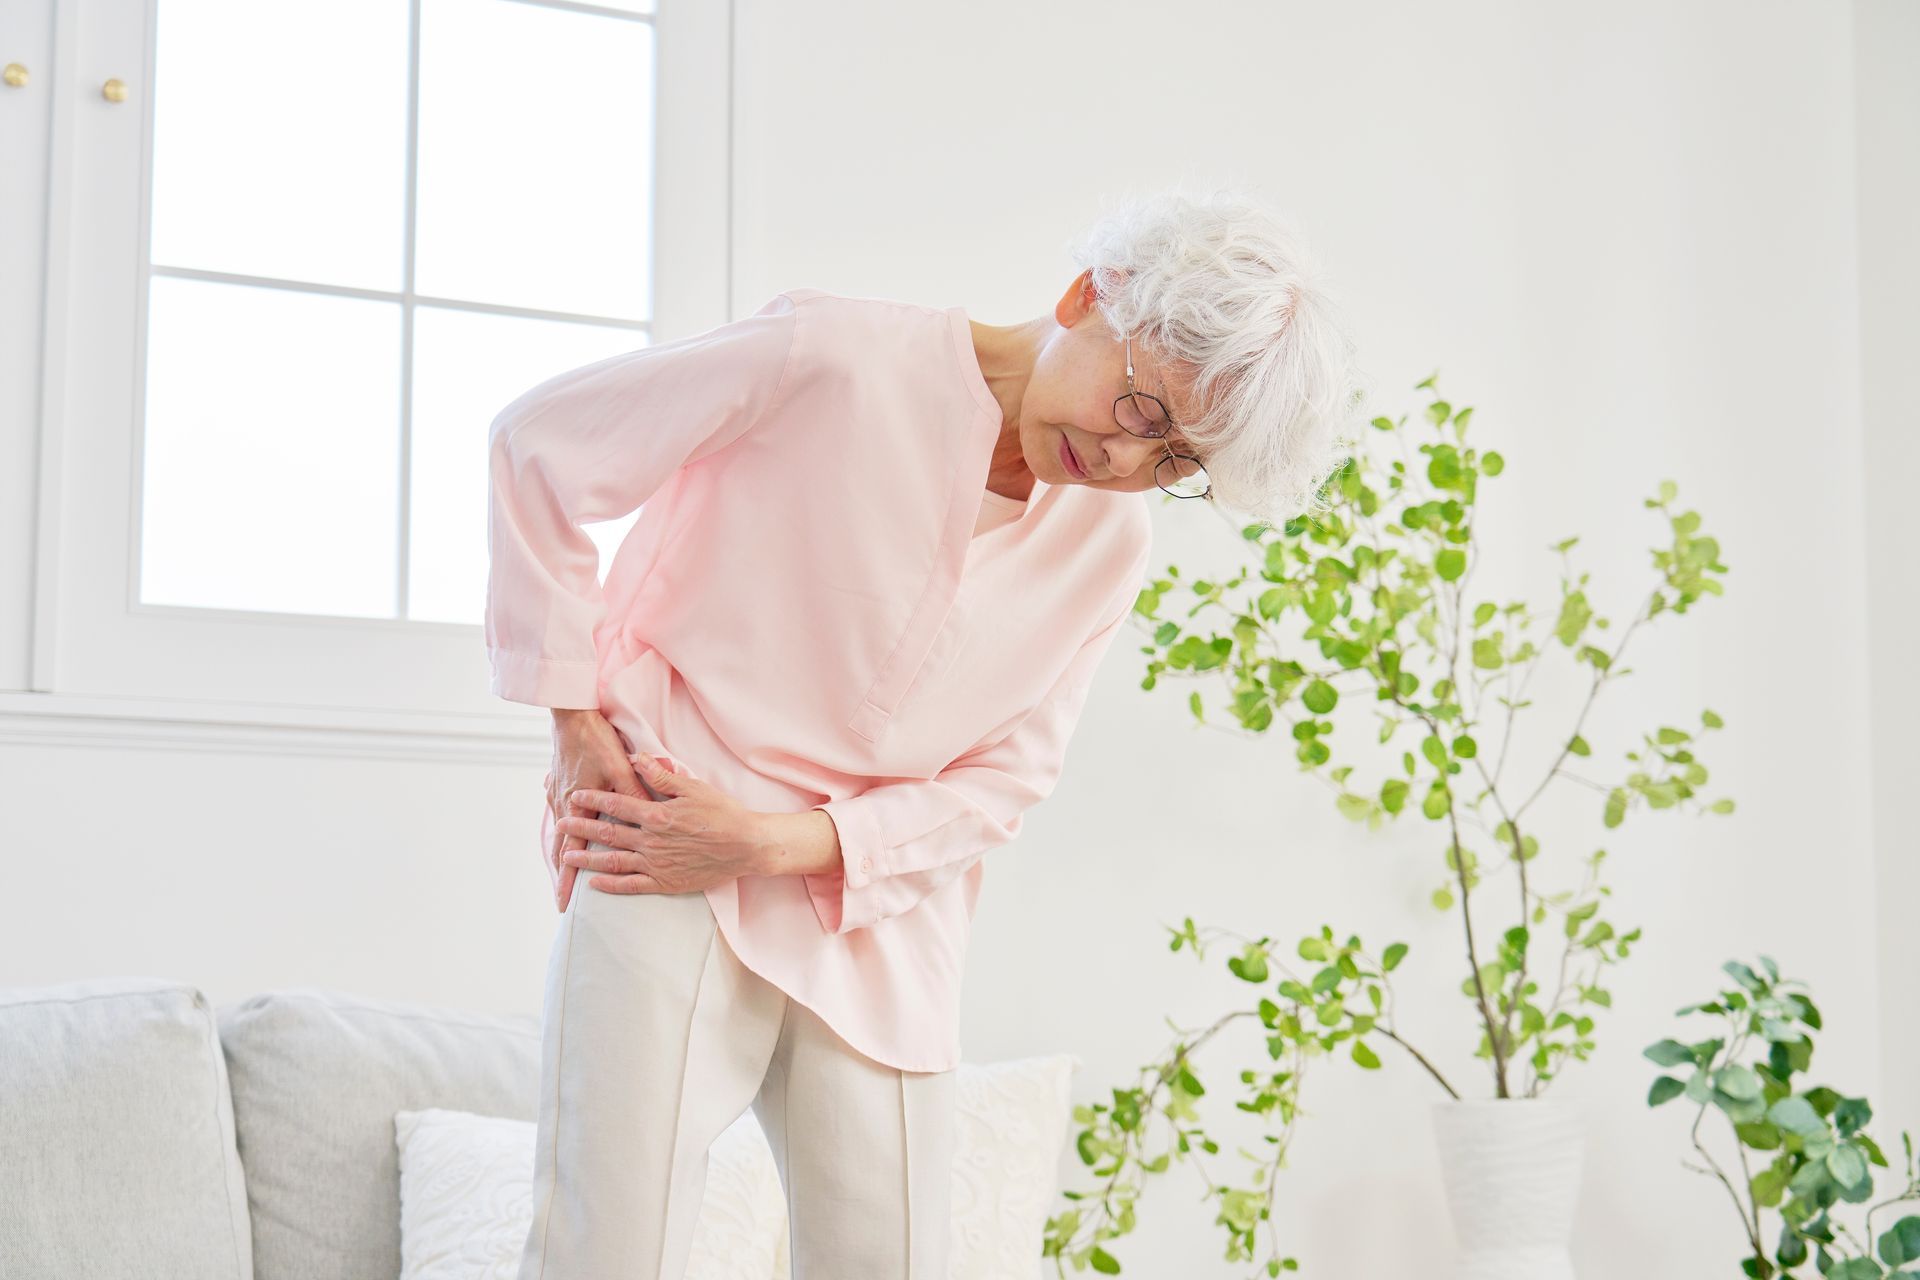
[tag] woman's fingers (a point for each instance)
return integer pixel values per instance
(606, 829)
(563, 840)
(589, 757)
(558, 872)
(611, 861)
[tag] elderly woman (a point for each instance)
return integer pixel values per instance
(881, 550)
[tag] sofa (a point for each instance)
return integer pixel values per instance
(144, 1133)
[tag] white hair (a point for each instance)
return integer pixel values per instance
(1222, 294)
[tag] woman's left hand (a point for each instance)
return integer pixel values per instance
(694, 836)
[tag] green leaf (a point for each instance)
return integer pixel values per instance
(1737, 1081)
(1364, 1056)
(1796, 1115)
(1450, 564)
(1740, 1110)
(1669, 1053)
(1190, 1083)
(1616, 810)
(1251, 967)
(1665, 1089)
(1847, 1165)
(1852, 1115)
(1319, 697)
(1900, 1243)
(1575, 615)
(1392, 955)
(1103, 1262)
(1393, 794)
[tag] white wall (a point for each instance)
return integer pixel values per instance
(1629, 236)
(1632, 237)
(1886, 40)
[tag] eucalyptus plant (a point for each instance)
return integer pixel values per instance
(1813, 1140)
(1361, 614)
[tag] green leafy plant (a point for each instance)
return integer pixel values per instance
(1359, 616)
(1346, 999)
(1813, 1140)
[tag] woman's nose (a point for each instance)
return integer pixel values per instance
(1127, 453)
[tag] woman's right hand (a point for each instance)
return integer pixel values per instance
(589, 755)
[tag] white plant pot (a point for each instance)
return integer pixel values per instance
(1512, 1173)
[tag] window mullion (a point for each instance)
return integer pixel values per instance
(402, 585)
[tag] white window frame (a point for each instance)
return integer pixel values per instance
(101, 667)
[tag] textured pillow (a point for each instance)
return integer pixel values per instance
(466, 1199)
(117, 1152)
(317, 1077)
(466, 1203)
(1014, 1118)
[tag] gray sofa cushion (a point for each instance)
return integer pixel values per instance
(117, 1150)
(317, 1077)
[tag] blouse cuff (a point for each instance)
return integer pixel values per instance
(544, 682)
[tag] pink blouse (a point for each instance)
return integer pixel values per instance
(820, 605)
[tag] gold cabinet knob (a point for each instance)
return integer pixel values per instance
(114, 91)
(15, 75)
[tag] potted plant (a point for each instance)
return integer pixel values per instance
(1811, 1142)
(1360, 613)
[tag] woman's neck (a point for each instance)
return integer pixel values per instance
(1007, 471)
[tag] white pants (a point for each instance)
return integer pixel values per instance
(656, 1038)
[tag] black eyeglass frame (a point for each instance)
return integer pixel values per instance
(1137, 396)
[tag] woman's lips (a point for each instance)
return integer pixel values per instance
(1069, 461)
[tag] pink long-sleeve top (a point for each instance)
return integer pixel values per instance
(820, 605)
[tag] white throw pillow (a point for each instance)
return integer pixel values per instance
(1014, 1118)
(466, 1200)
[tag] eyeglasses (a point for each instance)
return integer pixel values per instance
(1140, 414)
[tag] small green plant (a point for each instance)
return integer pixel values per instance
(1344, 1000)
(1361, 618)
(1812, 1140)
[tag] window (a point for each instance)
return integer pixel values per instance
(350, 233)
(400, 231)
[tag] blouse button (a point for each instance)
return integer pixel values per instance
(866, 864)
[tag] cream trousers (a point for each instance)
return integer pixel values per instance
(655, 1039)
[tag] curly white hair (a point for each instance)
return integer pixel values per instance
(1222, 293)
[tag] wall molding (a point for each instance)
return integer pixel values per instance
(83, 720)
